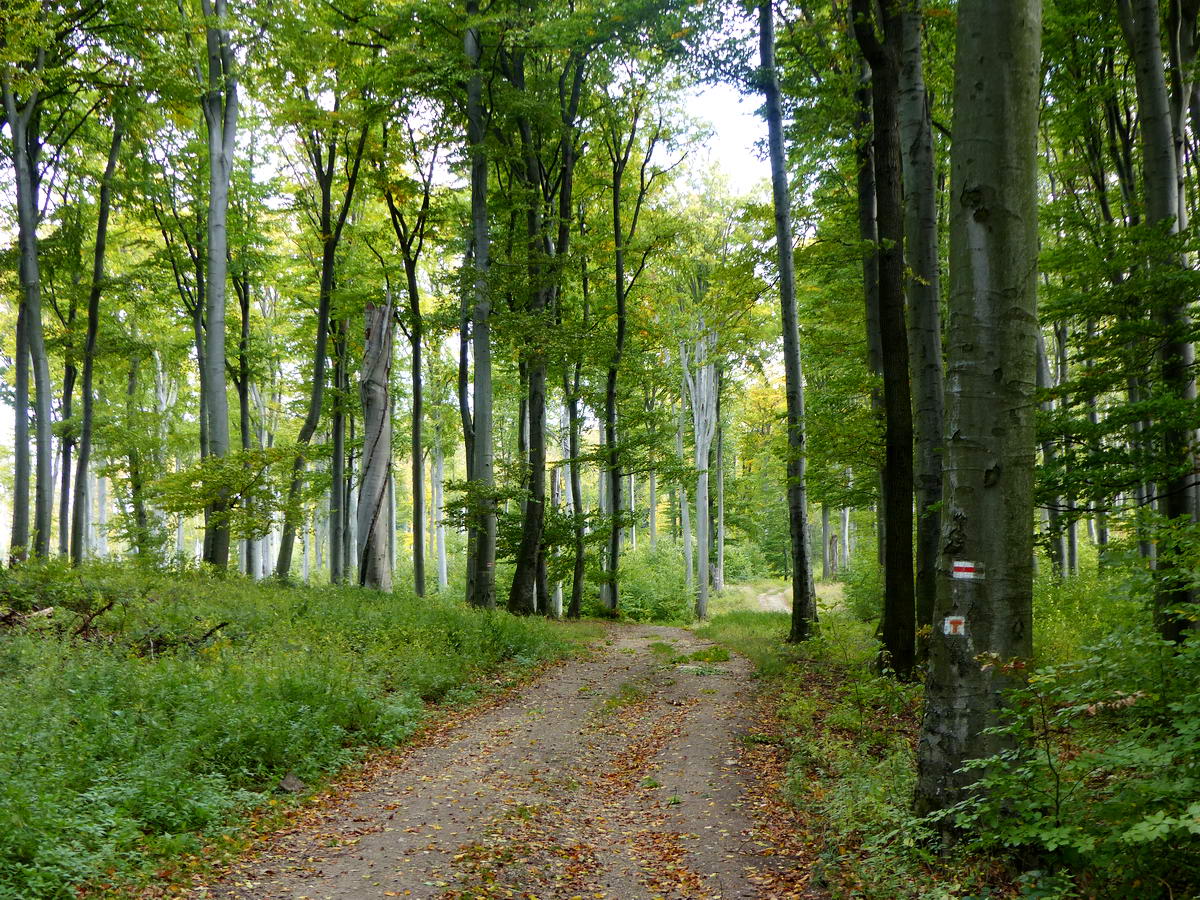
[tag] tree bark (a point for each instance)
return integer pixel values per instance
(374, 554)
(323, 159)
(220, 106)
(19, 539)
(898, 626)
(983, 624)
(702, 390)
(804, 597)
(482, 475)
(79, 517)
(924, 306)
(1140, 23)
(26, 144)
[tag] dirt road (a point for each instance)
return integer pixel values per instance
(617, 775)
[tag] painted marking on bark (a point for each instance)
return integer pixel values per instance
(965, 569)
(955, 625)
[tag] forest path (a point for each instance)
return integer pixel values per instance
(621, 774)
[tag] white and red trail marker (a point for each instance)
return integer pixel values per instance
(954, 625)
(966, 569)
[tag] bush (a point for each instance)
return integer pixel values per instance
(864, 587)
(1073, 613)
(654, 586)
(745, 561)
(187, 701)
(1103, 778)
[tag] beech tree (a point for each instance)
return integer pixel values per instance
(983, 630)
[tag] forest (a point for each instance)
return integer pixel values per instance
(432, 463)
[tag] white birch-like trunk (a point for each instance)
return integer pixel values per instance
(439, 511)
(702, 391)
(102, 517)
(685, 522)
(306, 574)
(652, 510)
(719, 579)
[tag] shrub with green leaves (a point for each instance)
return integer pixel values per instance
(654, 586)
(130, 736)
(1102, 778)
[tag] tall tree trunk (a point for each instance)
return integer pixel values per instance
(482, 475)
(652, 509)
(924, 305)
(522, 598)
(19, 539)
(137, 482)
(719, 580)
(339, 496)
(1140, 23)
(1054, 528)
(79, 517)
(468, 428)
(984, 621)
(220, 106)
(613, 459)
(416, 336)
(883, 54)
(26, 143)
(685, 526)
(241, 287)
(702, 393)
(374, 556)
(804, 596)
(826, 561)
(439, 513)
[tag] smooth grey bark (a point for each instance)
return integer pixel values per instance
(991, 370)
(652, 508)
(483, 588)
(439, 510)
(23, 120)
(685, 525)
(1160, 176)
(924, 305)
(844, 562)
(102, 517)
(374, 554)
(719, 577)
(219, 103)
(251, 546)
(137, 483)
(339, 484)
(827, 565)
(1055, 534)
(804, 596)
(19, 538)
(462, 389)
(702, 395)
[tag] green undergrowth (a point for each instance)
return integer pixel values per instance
(148, 712)
(1099, 797)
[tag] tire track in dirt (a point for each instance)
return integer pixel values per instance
(620, 775)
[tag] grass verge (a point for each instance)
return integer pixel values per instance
(149, 718)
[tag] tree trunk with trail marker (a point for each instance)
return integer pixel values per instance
(982, 635)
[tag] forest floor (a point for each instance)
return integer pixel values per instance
(636, 770)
